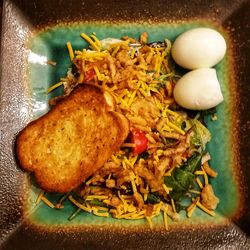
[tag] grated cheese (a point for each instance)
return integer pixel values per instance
(98, 197)
(171, 112)
(115, 51)
(145, 196)
(165, 217)
(122, 43)
(191, 210)
(93, 55)
(173, 205)
(54, 87)
(95, 211)
(70, 50)
(75, 202)
(132, 218)
(100, 208)
(96, 40)
(199, 182)
(156, 158)
(125, 205)
(168, 173)
(199, 172)
(212, 213)
(39, 197)
(165, 188)
(47, 202)
(192, 207)
(149, 222)
(157, 208)
(194, 191)
(133, 186)
(124, 165)
(132, 98)
(90, 41)
(114, 158)
(127, 162)
(132, 54)
(205, 177)
(170, 124)
(128, 145)
(131, 209)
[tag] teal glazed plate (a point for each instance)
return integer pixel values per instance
(34, 32)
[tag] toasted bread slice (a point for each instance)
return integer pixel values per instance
(71, 141)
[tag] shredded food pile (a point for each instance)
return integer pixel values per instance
(163, 166)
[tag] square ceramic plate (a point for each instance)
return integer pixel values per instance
(42, 28)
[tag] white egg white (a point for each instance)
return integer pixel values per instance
(199, 48)
(198, 90)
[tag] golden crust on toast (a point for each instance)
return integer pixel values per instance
(72, 141)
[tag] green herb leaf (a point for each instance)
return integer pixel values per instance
(97, 203)
(180, 181)
(193, 162)
(143, 155)
(201, 134)
(153, 198)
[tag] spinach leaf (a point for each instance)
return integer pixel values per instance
(193, 162)
(182, 178)
(153, 198)
(180, 181)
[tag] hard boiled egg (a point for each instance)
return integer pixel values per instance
(198, 90)
(199, 48)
